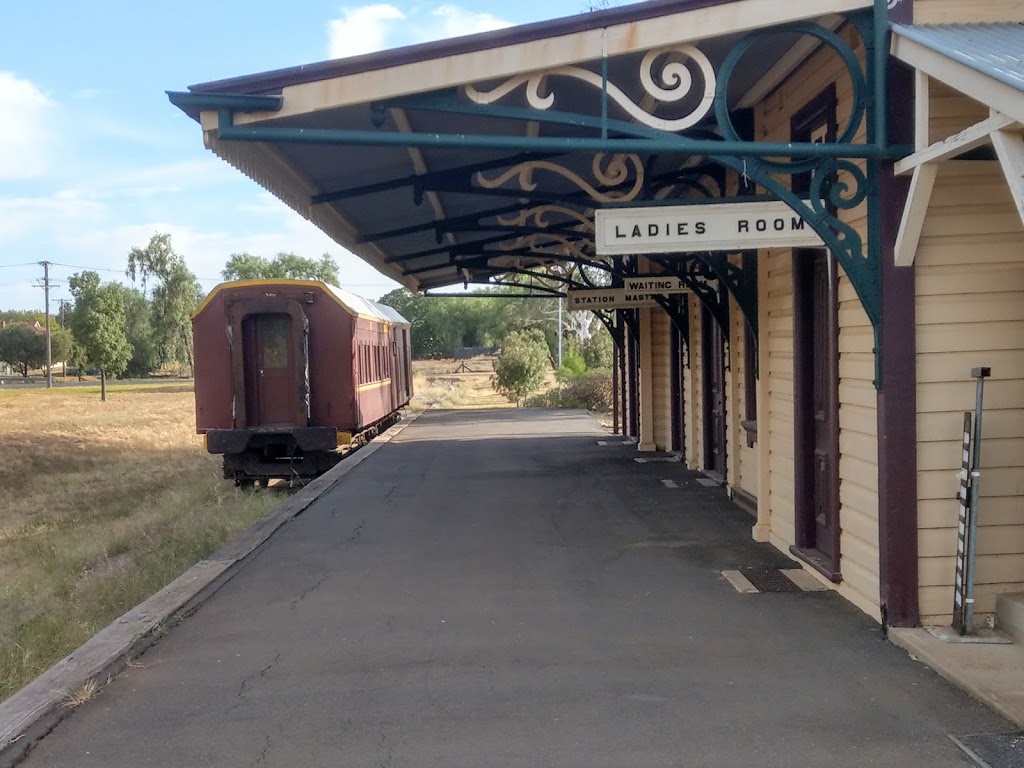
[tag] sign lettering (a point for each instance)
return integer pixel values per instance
(711, 227)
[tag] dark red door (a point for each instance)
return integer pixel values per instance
(270, 375)
(713, 353)
(816, 406)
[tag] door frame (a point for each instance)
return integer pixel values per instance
(238, 310)
(806, 543)
(816, 121)
(711, 331)
(677, 377)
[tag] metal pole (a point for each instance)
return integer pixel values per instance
(559, 331)
(980, 374)
(46, 293)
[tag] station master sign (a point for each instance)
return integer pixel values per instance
(712, 227)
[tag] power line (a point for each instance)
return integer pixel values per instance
(12, 266)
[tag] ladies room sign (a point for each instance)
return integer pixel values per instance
(712, 227)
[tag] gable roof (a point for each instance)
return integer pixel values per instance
(996, 50)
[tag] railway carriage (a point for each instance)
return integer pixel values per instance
(289, 371)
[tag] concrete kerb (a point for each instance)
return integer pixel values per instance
(989, 673)
(31, 713)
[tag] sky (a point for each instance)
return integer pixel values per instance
(94, 160)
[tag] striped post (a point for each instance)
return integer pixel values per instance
(960, 597)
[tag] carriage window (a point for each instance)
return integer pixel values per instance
(274, 330)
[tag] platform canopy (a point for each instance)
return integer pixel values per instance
(476, 158)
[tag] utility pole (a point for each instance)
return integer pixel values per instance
(46, 292)
(63, 324)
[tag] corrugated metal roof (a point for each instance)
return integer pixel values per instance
(996, 50)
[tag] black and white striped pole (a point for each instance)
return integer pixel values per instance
(980, 374)
(970, 491)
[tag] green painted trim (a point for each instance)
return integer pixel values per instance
(678, 146)
(187, 100)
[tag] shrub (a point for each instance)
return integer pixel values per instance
(573, 366)
(521, 365)
(592, 390)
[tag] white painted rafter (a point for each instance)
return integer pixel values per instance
(969, 138)
(1010, 150)
(911, 225)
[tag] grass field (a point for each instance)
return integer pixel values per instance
(454, 384)
(101, 505)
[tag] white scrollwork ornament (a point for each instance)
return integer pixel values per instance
(616, 172)
(676, 78)
(539, 217)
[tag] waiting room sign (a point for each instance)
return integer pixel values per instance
(712, 227)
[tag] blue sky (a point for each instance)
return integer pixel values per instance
(94, 160)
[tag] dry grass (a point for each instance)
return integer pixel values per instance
(455, 384)
(102, 505)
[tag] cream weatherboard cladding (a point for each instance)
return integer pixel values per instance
(661, 363)
(970, 310)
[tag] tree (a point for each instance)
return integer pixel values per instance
(599, 350)
(98, 324)
(284, 266)
(521, 365)
(139, 332)
(60, 343)
(22, 347)
(175, 294)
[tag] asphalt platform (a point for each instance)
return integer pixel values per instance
(494, 588)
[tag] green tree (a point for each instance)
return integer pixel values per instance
(521, 365)
(174, 296)
(139, 332)
(284, 266)
(98, 324)
(599, 350)
(22, 347)
(61, 342)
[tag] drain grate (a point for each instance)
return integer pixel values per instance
(995, 750)
(769, 580)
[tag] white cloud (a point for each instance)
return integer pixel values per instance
(362, 30)
(43, 216)
(368, 28)
(25, 135)
(457, 21)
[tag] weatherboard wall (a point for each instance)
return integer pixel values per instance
(970, 310)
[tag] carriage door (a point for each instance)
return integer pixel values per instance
(270, 380)
(816, 372)
(713, 353)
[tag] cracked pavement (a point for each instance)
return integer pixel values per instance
(493, 588)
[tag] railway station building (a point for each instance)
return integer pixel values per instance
(801, 220)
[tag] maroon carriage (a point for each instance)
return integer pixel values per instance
(288, 371)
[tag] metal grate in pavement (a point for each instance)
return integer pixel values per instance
(994, 750)
(769, 580)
